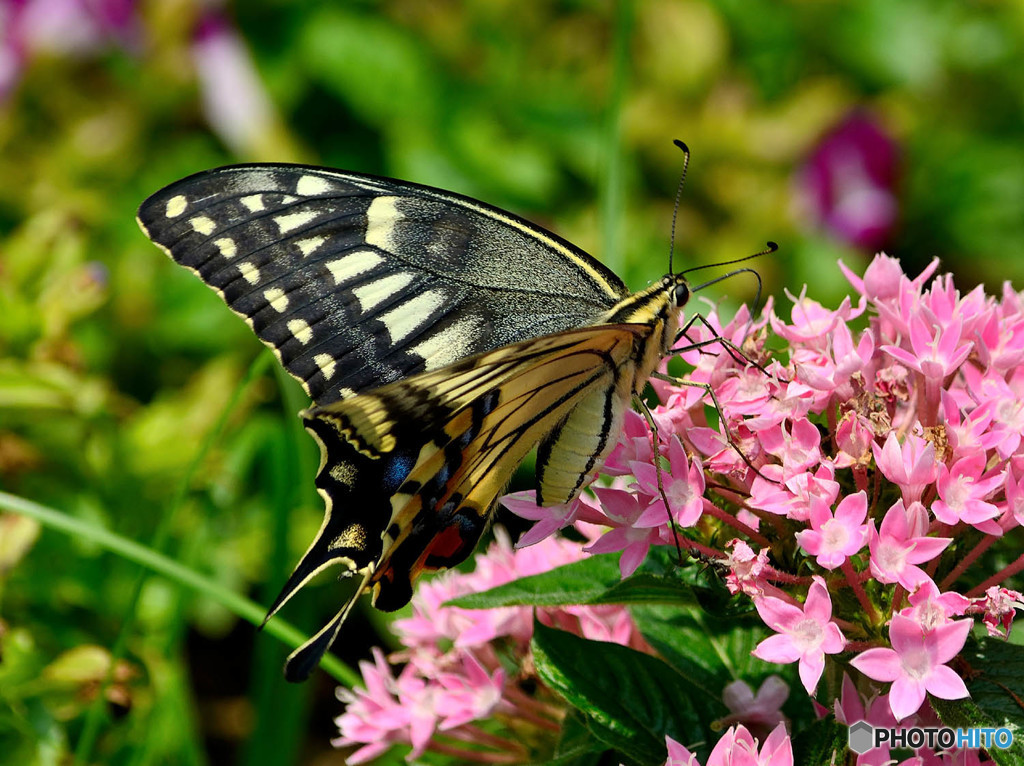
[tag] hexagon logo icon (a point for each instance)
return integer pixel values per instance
(860, 737)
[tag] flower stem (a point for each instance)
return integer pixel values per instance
(736, 524)
(969, 559)
(464, 755)
(862, 596)
(997, 578)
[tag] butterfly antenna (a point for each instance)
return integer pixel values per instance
(679, 196)
(770, 248)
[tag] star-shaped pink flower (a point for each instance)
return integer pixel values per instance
(916, 664)
(683, 484)
(833, 539)
(897, 547)
(802, 635)
(911, 466)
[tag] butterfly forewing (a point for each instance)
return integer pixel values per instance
(356, 281)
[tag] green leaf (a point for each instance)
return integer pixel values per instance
(631, 700)
(593, 580)
(708, 652)
(823, 743)
(577, 745)
(996, 684)
(645, 588)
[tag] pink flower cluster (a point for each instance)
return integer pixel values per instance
(881, 465)
(453, 665)
(854, 487)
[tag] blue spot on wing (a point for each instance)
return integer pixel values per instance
(395, 471)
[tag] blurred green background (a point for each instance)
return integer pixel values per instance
(833, 128)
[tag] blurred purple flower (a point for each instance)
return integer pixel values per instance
(12, 47)
(234, 100)
(62, 28)
(848, 183)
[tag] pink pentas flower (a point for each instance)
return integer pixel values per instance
(375, 717)
(852, 707)
(746, 569)
(802, 635)
(797, 449)
(634, 445)
(762, 711)
(725, 457)
(854, 437)
(1015, 497)
(962, 491)
(549, 519)
(623, 510)
(1000, 344)
(812, 323)
(937, 351)
(930, 608)
(832, 539)
(469, 693)
(916, 664)
(900, 544)
(999, 606)
(1004, 400)
(942, 303)
(678, 755)
(683, 485)
(881, 278)
(793, 498)
(791, 402)
(910, 466)
(737, 747)
(966, 431)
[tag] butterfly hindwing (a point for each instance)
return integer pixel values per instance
(439, 448)
(356, 281)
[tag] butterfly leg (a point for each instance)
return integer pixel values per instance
(656, 453)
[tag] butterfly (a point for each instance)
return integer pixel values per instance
(440, 339)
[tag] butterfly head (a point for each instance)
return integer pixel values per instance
(678, 289)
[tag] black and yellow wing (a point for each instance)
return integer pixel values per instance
(441, 339)
(356, 281)
(410, 472)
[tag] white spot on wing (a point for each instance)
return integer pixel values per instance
(226, 245)
(309, 245)
(354, 264)
(374, 293)
(326, 364)
(250, 273)
(381, 217)
(277, 299)
(293, 221)
(301, 330)
(176, 206)
(254, 202)
(310, 186)
(345, 393)
(403, 320)
(203, 225)
(447, 345)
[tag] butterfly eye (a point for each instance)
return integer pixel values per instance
(681, 294)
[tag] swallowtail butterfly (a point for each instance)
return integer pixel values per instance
(440, 340)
